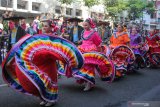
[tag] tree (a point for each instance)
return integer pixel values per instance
(150, 7)
(114, 7)
(66, 1)
(90, 3)
(136, 8)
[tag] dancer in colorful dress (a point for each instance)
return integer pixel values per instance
(153, 40)
(136, 44)
(31, 65)
(136, 41)
(119, 42)
(91, 39)
(119, 38)
(49, 27)
(91, 43)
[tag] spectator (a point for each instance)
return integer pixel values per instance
(104, 31)
(76, 30)
(23, 24)
(36, 23)
(16, 31)
(30, 30)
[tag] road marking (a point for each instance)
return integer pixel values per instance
(3, 85)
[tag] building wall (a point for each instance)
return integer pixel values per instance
(32, 8)
(19, 7)
(146, 21)
(86, 12)
(153, 23)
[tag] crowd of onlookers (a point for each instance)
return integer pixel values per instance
(65, 29)
(68, 29)
(13, 27)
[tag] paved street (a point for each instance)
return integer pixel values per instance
(141, 86)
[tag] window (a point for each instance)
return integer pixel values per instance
(78, 12)
(58, 9)
(159, 12)
(36, 6)
(7, 3)
(93, 14)
(158, 20)
(153, 15)
(101, 16)
(69, 11)
(21, 4)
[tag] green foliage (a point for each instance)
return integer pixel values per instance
(151, 10)
(114, 7)
(66, 1)
(90, 3)
(136, 8)
(150, 7)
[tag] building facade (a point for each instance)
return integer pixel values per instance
(76, 9)
(32, 8)
(152, 21)
(26, 8)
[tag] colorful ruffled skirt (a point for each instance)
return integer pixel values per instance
(93, 62)
(31, 65)
(122, 56)
(96, 62)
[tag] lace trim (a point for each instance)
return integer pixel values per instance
(86, 38)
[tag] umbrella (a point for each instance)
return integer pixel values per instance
(74, 20)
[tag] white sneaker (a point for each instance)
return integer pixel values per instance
(87, 86)
(42, 103)
(48, 104)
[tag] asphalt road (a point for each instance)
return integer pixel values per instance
(141, 86)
